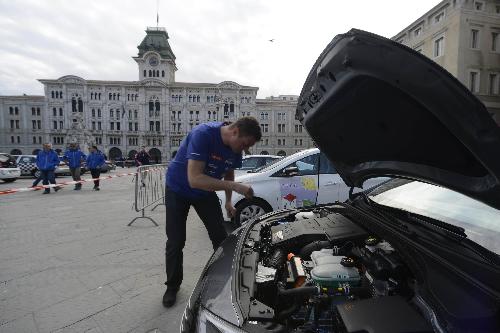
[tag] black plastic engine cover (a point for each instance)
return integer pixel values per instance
(333, 227)
(381, 315)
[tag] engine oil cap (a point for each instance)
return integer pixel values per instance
(372, 240)
(347, 262)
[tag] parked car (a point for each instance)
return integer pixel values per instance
(254, 162)
(9, 171)
(305, 178)
(27, 164)
(419, 253)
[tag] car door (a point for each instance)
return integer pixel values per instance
(298, 183)
(330, 184)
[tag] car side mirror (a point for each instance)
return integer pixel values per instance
(291, 171)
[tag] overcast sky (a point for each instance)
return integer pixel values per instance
(213, 41)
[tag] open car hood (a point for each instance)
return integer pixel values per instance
(378, 108)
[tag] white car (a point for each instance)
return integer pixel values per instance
(303, 179)
(8, 170)
(255, 162)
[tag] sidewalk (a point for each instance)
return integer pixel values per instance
(69, 263)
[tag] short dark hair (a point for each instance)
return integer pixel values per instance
(248, 126)
(95, 147)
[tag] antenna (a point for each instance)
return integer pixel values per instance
(157, 12)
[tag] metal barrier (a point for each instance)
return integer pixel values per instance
(149, 189)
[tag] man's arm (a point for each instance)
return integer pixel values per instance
(229, 176)
(199, 180)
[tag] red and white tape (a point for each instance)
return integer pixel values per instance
(86, 180)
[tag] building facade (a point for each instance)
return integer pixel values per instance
(156, 111)
(463, 36)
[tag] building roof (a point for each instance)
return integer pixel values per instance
(156, 40)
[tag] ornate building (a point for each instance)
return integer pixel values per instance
(155, 111)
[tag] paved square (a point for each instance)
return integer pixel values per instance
(69, 263)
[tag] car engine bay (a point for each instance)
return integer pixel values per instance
(318, 271)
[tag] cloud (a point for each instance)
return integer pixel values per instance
(213, 41)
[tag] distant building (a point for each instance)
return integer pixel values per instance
(155, 111)
(463, 36)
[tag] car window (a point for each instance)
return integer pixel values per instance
(325, 166)
(25, 160)
(250, 163)
(480, 221)
(306, 166)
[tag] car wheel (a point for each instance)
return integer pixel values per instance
(37, 173)
(247, 210)
(9, 180)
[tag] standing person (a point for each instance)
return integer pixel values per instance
(94, 162)
(74, 156)
(142, 157)
(210, 152)
(47, 161)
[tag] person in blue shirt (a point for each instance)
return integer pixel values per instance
(204, 163)
(74, 157)
(95, 161)
(47, 161)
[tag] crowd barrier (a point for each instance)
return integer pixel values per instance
(149, 189)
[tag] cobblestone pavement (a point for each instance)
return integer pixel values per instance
(69, 263)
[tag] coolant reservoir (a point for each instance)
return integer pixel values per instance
(328, 272)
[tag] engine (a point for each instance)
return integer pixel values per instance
(320, 272)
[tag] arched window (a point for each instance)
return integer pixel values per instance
(157, 73)
(150, 74)
(135, 114)
(99, 96)
(57, 94)
(144, 73)
(231, 107)
(110, 96)
(151, 106)
(190, 98)
(93, 112)
(60, 94)
(162, 73)
(114, 96)
(80, 105)
(215, 115)
(136, 97)
(118, 96)
(209, 114)
(54, 112)
(52, 93)
(157, 106)
(73, 104)
(198, 98)
(91, 95)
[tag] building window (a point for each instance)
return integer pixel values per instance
(495, 41)
(162, 73)
(37, 111)
(111, 113)
(93, 125)
(17, 124)
(54, 112)
(112, 126)
(61, 125)
(474, 81)
(136, 126)
(93, 112)
(98, 113)
(34, 139)
(33, 112)
(55, 124)
(39, 124)
(33, 123)
(99, 127)
(474, 39)
(439, 47)
(60, 112)
(478, 5)
(439, 17)
(417, 32)
(493, 84)
(151, 126)
(157, 126)
(118, 126)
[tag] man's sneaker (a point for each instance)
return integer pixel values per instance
(169, 297)
(46, 192)
(57, 188)
(96, 188)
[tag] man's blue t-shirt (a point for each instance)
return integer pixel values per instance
(203, 143)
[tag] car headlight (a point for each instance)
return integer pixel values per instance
(3, 172)
(209, 323)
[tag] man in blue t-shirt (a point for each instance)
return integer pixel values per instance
(204, 163)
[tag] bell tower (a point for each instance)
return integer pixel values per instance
(155, 58)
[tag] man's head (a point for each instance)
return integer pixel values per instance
(243, 134)
(73, 146)
(47, 146)
(143, 148)
(93, 149)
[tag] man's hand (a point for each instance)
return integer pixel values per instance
(231, 211)
(244, 190)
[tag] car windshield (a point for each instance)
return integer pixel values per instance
(480, 221)
(249, 163)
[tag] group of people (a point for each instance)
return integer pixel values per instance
(47, 161)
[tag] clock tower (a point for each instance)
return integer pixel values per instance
(155, 58)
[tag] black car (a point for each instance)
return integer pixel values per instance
(419, 253)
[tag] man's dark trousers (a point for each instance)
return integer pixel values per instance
(48, 176)
(96, 173)
(177, 209)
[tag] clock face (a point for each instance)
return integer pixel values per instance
(153, 61)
